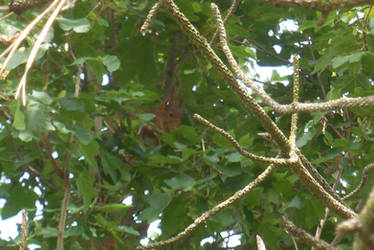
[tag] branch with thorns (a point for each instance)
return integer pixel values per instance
(300, 165)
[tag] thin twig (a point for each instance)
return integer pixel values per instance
(320, 188)
(231, 10)
(276, 161)
(25, 32)
(364, 178)
(61, 224)
(21, 89)
(151, 14)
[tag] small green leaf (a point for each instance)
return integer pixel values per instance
(128, 230)
(86, 188)
(234, 157)
(19, 119)
(19, 198)
(42, 97)
(182, 181)
(81, 25)
(112, 63)
(89, 152)
(84, 135)
(157, 202)
(146, 117)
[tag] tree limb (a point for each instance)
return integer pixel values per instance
(321, 5)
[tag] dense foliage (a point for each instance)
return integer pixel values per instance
(132, 134)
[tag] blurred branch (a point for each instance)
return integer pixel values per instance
(364, 178)
(365, 240)
(151, 14)
(304, 237)
(260, 243)
(321, 5)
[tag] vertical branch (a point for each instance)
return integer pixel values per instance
(25, 231)
(66, 180)
(295, 98)
(61, 225)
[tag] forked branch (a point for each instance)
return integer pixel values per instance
(276, 161)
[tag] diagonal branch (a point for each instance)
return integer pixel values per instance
(276, 161)
(205, 216)
(284, 108)
(323, 192)
(364, 178)
(304, 237)
(321, 5)
(151, 14)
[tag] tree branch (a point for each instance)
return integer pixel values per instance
(304, 237)
(323, 192)
(276, 161)
(321, 5)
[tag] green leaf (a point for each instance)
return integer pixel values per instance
(112, 164)
(234, 157)
(182, 181)
(71, 104)
(19, 198)
(188, 133)
(81, 25)
(146, 117)
(86, 189)
(128, 230)
(157, 202)
(90, 151)
(112, 63)
(42, 97)
(225, 218)
(305, 138)
(324, 61)
(170, 159)
(371, 25)
(19, 119)
(84, 135)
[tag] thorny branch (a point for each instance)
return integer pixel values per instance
(321, 5)
(302, 167)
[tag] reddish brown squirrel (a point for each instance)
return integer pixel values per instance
(168, 117)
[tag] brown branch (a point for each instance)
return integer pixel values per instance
(364, 241)
(25, 231)
(58, 170)
(304, 237)
(321, 5)
(19, 6)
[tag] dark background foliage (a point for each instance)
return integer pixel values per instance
(171, 174)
